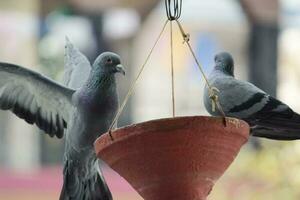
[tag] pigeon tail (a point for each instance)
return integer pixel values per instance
(92, 188)
(278, 128)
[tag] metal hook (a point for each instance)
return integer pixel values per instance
(173, 9)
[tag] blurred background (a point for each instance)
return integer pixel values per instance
(262, 35)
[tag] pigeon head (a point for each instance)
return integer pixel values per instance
(108, 63)
(224, 62)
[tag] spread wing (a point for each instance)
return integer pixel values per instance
(35, 98)
(77, 67)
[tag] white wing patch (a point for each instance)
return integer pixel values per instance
(77, 67)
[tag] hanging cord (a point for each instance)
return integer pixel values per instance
(172, 69)
(132, 87)
(172, 15)
(173, 11)
(212, 90)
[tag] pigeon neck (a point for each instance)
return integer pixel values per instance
(224, 70)
(99, 81)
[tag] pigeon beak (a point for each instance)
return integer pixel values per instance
(120, 69)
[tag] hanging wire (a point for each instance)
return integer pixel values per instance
(173, 9)
(132, 87)
(212, 90)
(172, 69)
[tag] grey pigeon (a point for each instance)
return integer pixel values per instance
(267, 116)
(80, 115)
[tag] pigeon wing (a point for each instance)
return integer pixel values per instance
(238, 98)
(35, 98)
(77, 67)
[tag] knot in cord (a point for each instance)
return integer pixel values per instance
(214, 97)
(186, 37)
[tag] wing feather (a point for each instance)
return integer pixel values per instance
(77, 67)
(35, 98)
(277, 115)
(237, 98)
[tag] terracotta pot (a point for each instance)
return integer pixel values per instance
(177, 158)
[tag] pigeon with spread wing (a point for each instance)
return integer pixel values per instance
(80, 111)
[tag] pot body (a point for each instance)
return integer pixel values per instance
(175, 158)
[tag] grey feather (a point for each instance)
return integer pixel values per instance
(83, 115)
(267, 116)
(77, 67)
(32, 97)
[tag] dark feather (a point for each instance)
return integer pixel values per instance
(256, 98)
(275, 121)
(275, 134)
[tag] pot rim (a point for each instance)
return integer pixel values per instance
(105, 141)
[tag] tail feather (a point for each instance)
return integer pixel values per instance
(278, 126)
(76, 188)
(281, 122)
(275, 134)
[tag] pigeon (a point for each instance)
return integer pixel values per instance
(79, 115)
(267, 116)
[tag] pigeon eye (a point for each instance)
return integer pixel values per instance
(109, 61)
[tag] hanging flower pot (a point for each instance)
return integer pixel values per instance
(174, 158)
